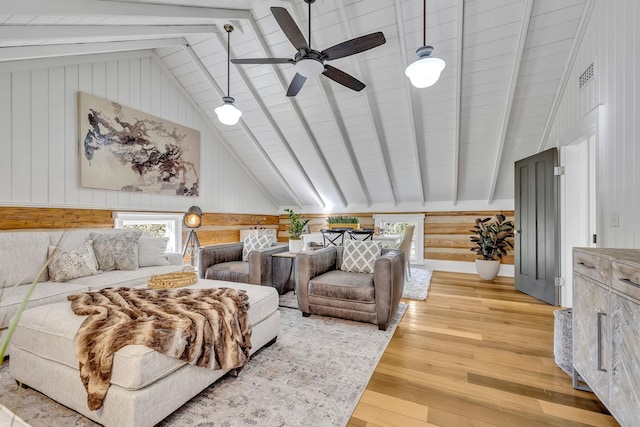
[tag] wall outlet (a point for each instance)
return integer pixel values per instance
(614, 220)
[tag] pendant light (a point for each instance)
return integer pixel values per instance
(425, 71)
(227, 113)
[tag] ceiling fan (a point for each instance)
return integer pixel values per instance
(310, 62)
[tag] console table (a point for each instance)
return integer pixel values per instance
(606, 328)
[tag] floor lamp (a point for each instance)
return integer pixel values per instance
(192, 220)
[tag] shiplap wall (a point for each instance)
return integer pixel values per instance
(39, 122)
(612, 42)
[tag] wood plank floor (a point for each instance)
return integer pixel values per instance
(474, 354)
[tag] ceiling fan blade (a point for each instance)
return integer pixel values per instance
(343, 78)
(289, 27)
(353, 46)
(296, 84)
(263, 61)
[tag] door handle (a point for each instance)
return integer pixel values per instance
(600, 316)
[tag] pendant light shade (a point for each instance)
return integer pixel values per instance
(227, 113)
(425, 71)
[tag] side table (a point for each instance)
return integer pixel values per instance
(283, 275)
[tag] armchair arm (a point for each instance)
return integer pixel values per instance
(260, 264)
(388, 280)
(310, 265)
(210, 255)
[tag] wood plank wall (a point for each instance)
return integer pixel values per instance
(446, 234)
(216, 227)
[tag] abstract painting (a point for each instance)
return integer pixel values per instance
(128, 150)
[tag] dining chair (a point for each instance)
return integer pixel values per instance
(405, 246)
(360, 234)
(332, 237)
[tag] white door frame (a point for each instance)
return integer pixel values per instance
(579, 216)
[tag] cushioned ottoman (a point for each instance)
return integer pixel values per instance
(146, 386)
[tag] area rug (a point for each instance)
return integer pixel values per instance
(417, 286)
(313, 375)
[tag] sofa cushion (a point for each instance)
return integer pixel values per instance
(22, 256)
(340, 284)
(48, 332)
(232, 271)
(43, 293)
(125, 278)
(152, 251)
(253, 243)
(79, 262)
(116, 251)
(360, 256)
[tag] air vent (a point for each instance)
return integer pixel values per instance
(586, 76)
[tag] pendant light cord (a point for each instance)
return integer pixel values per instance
(424, 26)
(309, 25)
(228, 55)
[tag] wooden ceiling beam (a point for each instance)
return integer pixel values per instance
(298, 113)
(20, 53)
(116, 8)
(513, 84)
(85, 33)
(205, 72)
(409, 96)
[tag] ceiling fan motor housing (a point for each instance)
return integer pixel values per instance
(309, 63)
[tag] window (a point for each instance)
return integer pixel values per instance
(396, 224)
(154, 224)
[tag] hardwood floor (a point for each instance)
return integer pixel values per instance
(474, 354)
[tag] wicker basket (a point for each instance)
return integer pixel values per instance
(178, 279)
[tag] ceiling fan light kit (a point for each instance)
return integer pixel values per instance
(309, 62)
(227, 113)
(426, 70)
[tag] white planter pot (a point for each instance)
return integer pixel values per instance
(487, 269)
(295, 246)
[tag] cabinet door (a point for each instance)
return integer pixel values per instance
(625, 362)
(591, 357)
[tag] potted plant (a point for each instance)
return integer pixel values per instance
(491, 241)
(339, 221)
(295, 229)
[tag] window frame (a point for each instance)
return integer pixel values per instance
(415, 219)
(172, 220)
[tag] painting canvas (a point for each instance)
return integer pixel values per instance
(125, 149)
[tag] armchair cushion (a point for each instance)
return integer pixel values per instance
(360, 256)
(343, 285)
(254, 243)
(232, 271)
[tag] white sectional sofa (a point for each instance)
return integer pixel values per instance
(24, 253)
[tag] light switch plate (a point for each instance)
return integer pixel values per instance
(614, 220)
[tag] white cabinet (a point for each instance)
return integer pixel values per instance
(606, 328)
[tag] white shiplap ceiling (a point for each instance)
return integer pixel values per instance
(389, 146)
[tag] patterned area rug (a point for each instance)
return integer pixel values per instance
(417, 286)
(313, 375)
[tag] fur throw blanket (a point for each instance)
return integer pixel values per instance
(203, 327)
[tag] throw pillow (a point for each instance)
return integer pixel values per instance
(152, 251)
(79, 262)
(116, 251)
(253, 243)
(360, 256)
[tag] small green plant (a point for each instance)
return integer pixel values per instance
(337, 219)
(296, 224)
(492, 237)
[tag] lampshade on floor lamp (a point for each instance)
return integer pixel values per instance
(192, 220)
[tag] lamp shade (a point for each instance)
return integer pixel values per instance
(193, 217)
(227, 113)
(426, 70)
(309, 67)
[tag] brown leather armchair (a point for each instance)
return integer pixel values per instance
(224, 262)
(326, 290)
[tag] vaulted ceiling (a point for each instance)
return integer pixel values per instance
(390, 145)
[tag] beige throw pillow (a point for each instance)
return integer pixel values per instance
(253, 243)
(360, 256)
(79, 262)
(152, 251)
(116, 251)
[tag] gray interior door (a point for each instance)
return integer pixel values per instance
(536, 203)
